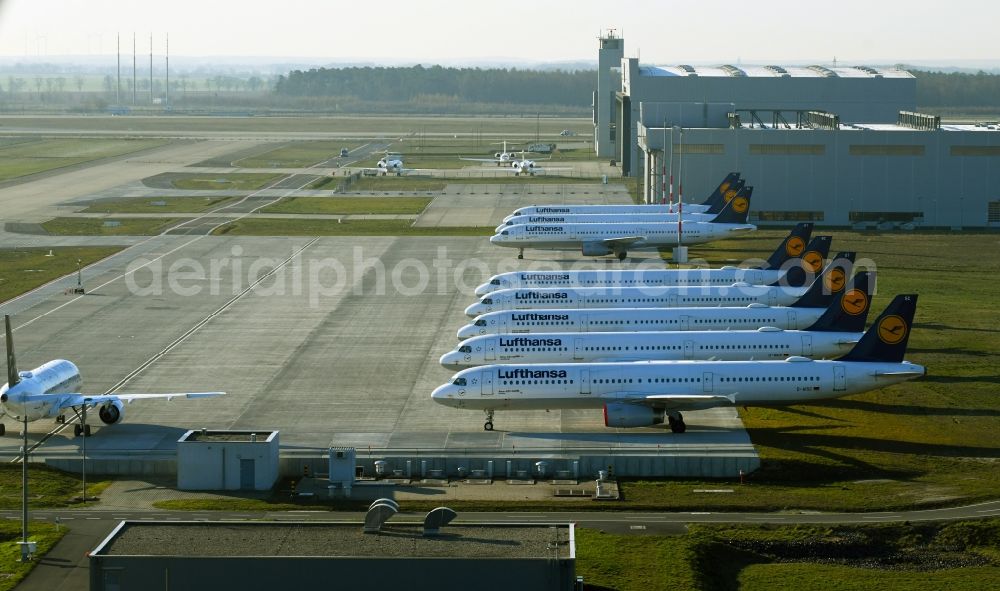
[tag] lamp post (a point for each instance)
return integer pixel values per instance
(86, 402)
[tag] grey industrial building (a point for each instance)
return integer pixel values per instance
(838, 146)
(286, 555)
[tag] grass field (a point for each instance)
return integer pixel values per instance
(47, 488)
(957, 556)
(349, 205)
(12, 570)
(159, 205)
(299, 227)
(431, 183)
(295, 155)
(20, 158)
(24, 269)
(236, 181)
(96, 227)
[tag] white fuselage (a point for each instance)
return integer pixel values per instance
(55, 377)
(604, 209)
(640, 320)
(640, 218)
(614, 277)
(574, 236)
(592, 385)
(561, 347)
(741, 294)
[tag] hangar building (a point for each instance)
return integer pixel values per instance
(834, 145)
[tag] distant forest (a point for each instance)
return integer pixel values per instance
(440, 86)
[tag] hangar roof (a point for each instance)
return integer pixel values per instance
(771, 71)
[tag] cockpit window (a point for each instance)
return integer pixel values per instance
(487, 301)
(480, 322)
(459, 382)
(495, 282)
(504, 233)
(465, 349)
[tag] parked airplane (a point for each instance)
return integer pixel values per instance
(51, 388)
(799, 316)
(648, 393)
(834, 334)
(618, 239)
(785, 257)
(832, 280)
(500, 158)
(720, 192)
(622, 218)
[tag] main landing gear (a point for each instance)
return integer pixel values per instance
(520, 253)
(488, 425)
(3, 429)
(81, 430)
(676, 422)
(622, 255)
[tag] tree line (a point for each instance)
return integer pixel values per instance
(494, 85)
(957, 89)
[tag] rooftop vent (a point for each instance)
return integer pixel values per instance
(869, 70)
(436, 519)
(733, 71)
(779, 71)
(378, 513)
(689, 69)
(823, 70)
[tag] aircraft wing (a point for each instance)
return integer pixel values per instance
(622, 241)
(674, 401)
(493, 160)
(77, 399)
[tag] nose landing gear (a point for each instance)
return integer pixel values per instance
(488, 425)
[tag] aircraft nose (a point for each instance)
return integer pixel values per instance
(441, 394)
(483, 289)
(473, 310)
(495, 239)
(450, 360)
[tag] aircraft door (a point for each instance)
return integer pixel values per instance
(688, 349)
(807, 345)
(577, 348)
(585, 382)
(583, 323)
(672, 300)
(839, 378)
(791, 320)
(685, 322)
(486, 379)
(504, 324)
(772, 297)
(491, 349)
(706, 381)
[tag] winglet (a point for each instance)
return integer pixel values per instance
(737, 210)
(849, 312)
(829, 283)
(12, 376)
(791, 247)
(886, 339)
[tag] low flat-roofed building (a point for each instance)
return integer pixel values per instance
(258, 555)
(227, 460)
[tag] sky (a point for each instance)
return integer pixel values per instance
(435, 31)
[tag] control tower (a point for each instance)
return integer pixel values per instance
(609, 80)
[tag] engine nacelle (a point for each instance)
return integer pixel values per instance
(621, 414)
(497, 155)
(529, 164)
(112, 412)
(595, 249)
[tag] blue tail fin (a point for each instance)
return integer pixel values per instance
(719, 203)
(829, 283)
(791, 247)
(887, 337)
(737, 210)
(849, 312)
(724, 186)
(810, 263)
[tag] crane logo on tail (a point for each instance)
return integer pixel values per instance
(813, 261)
(740, 204)
(724, 187)
(795, 246)
(834, 280)
(729, 194)
(854, 302)
(892, 329)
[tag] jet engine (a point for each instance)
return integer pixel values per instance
(594, 249)
(112, 412)
(497, 155)
(621, 414)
